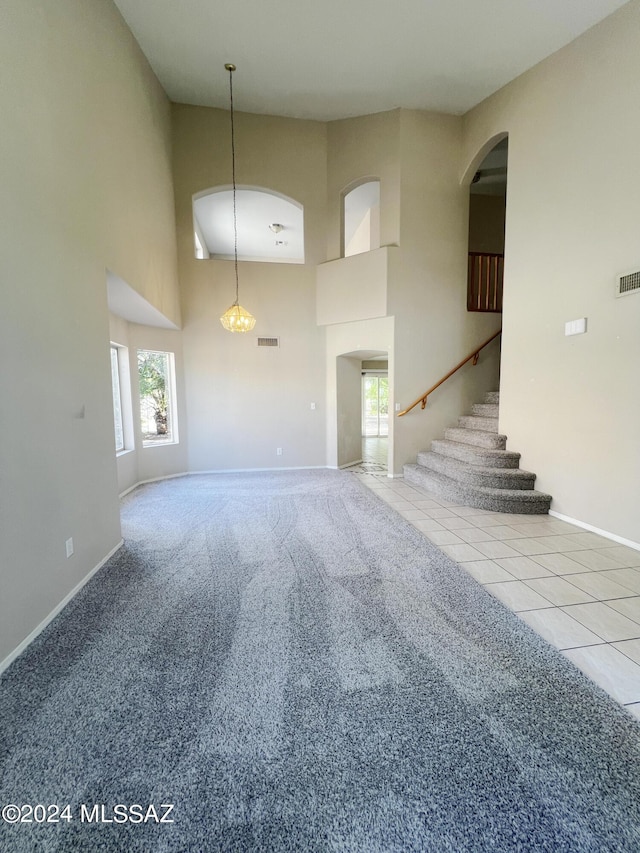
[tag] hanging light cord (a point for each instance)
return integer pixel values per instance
(231, 68)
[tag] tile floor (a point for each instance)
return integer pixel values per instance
(580, 591)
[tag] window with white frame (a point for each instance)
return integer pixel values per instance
(118, 420)
(121, 389)
(156, 377)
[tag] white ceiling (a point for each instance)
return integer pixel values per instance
(337, 58)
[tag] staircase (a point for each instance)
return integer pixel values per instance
(471, 465)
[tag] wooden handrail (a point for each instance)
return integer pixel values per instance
(475, 355)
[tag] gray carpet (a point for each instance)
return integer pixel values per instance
(296, 668)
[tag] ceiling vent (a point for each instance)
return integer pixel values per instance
(268, 342)
(628, 283)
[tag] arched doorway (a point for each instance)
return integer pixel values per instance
(362, 397)
(487, 213)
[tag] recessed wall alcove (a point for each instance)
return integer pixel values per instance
(270, 225)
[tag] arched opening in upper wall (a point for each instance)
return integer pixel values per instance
(270, 225)
(486, 178)
(361, 217)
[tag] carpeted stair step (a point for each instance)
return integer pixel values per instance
(477, 423)
(485, 410)
(478, 438)
(486, 457)
(520, 501)
(465, 474)
(492, 397)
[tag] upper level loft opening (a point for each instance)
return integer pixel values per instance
(270, 225)
(361, 218)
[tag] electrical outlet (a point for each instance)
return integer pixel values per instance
(278, 451)
(69, 546)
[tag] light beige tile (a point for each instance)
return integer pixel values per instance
(421, 503)
(630, 648)
(629, 578)
(604, 621)
(626, 557)
(486, 520)
(496, 549)
(555, 525)
(559, 564)
(503, 531)
(558, 543)
(413, 514)
(628, 607)
(444, 502)
(609, 668)
(559, 629)
(398, 505)
(594, 560)
(522, 567)
(486, 571)
(474, 534)
(600, 586)
(427, 525)
(523, 518)
(462, 553)
(444, 537)
(588, 540)
(531, 547)
(453, 523)
(634, 710)
(440, 512)
(559, 591)
(517, 596)
(466, 511)
(386, 495)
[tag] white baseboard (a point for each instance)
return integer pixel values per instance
(40, 628)
(607, 535)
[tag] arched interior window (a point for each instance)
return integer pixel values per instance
(361, 217)
(270, 225)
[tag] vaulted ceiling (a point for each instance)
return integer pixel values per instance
(337, 58)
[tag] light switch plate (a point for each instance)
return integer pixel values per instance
(576, 327)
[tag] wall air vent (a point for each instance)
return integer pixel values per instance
(268, 342)
(628, 283)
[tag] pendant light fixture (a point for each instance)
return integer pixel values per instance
(235, 318)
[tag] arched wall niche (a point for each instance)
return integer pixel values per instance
(270, 225)
(360, 216)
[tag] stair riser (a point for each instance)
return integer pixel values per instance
(528, 503)
(476, 439)
(485, 410)
(486, 457)
(466, 475)
(482, 424)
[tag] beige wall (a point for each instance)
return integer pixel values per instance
(86, 186)
(570, 405)
(434, 331)
(363, 147)
(244, 402)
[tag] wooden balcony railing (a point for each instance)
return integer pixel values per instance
(475, 355)
(484, 282)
